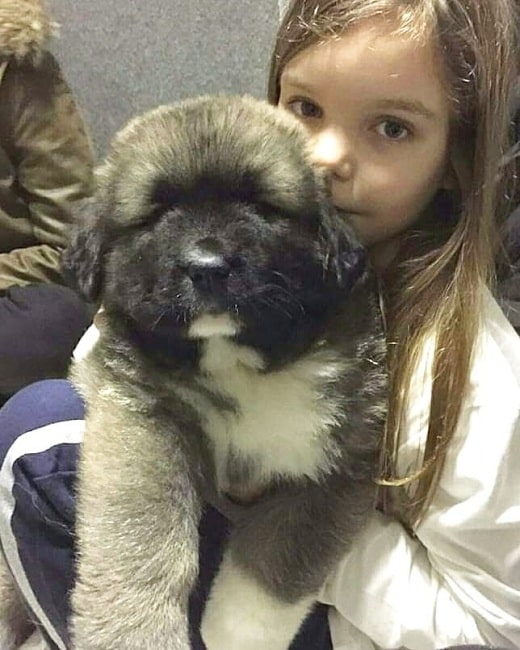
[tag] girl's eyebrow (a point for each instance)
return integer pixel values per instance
(414, 106)
(409, 105)
(295, 81)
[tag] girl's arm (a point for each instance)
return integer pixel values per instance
(387, 588)
(458, 582)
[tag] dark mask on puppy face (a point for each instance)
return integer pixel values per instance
(210, 220)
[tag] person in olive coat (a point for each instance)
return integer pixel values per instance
(46, 165)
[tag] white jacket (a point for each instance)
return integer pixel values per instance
(459, 581)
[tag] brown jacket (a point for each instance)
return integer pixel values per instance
(46, 160)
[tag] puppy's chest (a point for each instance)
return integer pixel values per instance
(276, 424)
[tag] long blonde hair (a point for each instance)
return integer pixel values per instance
(435, 286)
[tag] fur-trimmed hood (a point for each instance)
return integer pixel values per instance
(25, 28)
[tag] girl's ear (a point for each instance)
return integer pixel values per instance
(82, 260)
(449, 180)
(457, 176)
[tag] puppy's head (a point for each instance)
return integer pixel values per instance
(210, 220)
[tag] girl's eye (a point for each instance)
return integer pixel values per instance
(393, 130)
(305, 108)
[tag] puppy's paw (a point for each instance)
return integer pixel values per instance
(242, 615)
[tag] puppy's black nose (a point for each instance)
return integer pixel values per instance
(209, 272)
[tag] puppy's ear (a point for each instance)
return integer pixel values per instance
(82, 260)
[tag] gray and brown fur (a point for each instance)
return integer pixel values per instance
(209, 212)
(25, 29)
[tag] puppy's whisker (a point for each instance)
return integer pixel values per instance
(279, 300)
(281, 297)
(273, 289)
(283, 277)
(159, 318)
(276, 306)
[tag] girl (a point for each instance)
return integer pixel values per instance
(407, 105)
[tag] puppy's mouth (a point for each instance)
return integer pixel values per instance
(211, 325)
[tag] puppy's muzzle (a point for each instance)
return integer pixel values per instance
(209, 273)
(209, 267)
(209, 270)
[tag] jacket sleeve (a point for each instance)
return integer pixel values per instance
(46, 141)
(458, 580)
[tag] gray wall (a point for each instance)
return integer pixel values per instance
(122, 57)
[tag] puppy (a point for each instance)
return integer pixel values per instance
(241, 361)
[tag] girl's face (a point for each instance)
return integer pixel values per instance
(378, 113)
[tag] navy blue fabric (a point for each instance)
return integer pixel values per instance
(42, 522)
(33, 407)
(40, 325)
(43, 519)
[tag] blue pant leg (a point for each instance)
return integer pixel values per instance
(41, 428)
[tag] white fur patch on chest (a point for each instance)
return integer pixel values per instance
(283, 418)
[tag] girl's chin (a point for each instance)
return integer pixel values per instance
(381, 245)
(383, 252)
(359, 224)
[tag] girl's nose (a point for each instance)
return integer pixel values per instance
(333, 151)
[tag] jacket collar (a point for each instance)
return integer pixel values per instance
(25, 29)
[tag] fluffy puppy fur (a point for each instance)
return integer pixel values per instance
(25, 29)
(241, 361)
